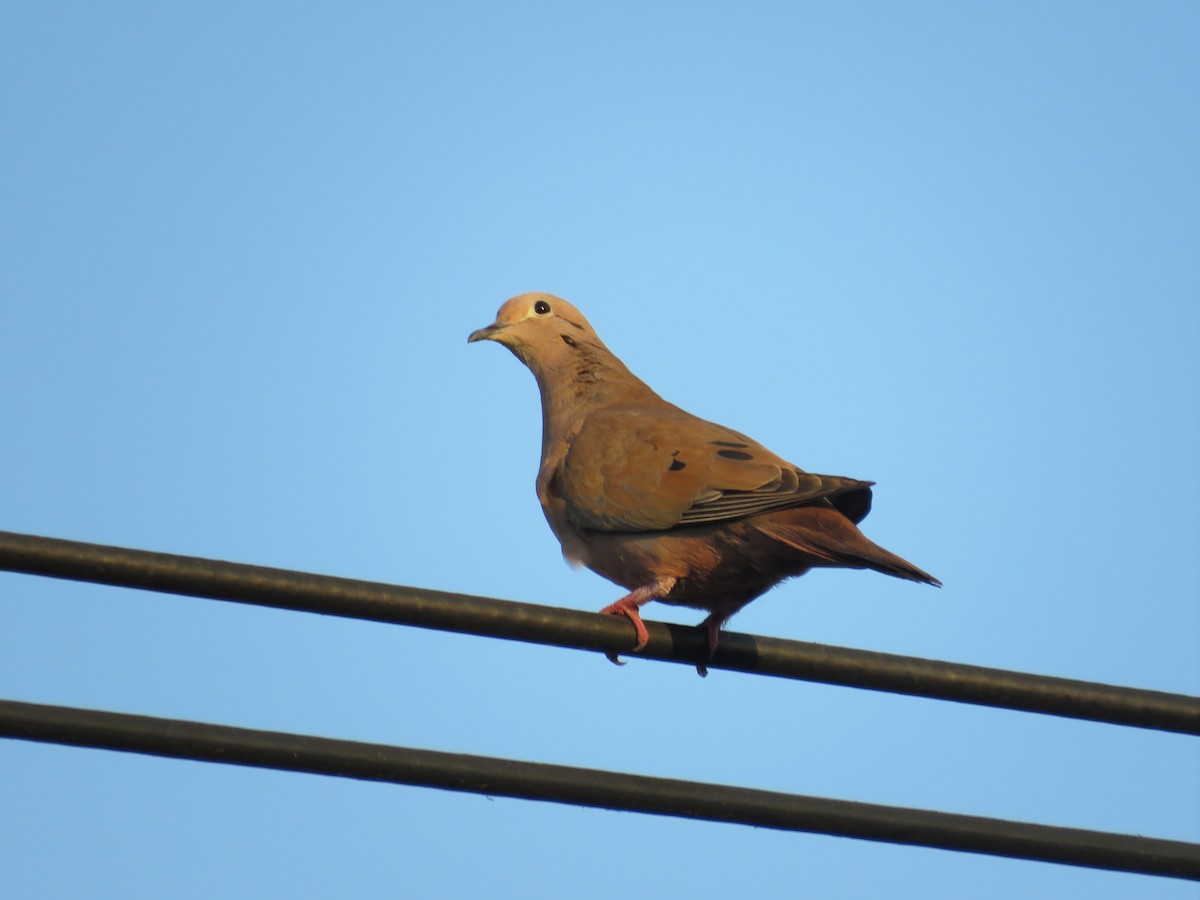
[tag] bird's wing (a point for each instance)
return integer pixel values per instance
(652, 469)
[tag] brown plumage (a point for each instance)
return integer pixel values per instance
(665, 504)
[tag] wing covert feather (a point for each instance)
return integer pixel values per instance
(639, 470)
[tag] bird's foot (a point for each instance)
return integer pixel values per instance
(629, 605)
(630, 612)
(712, 627)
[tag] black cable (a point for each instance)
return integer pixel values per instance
(283, 589)
(592, 787)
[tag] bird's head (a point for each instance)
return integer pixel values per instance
(545, 332)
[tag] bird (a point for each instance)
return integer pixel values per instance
(667, 505)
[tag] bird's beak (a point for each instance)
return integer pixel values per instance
(485, 334)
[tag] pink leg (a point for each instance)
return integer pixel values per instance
(629, 605)
(712, 627)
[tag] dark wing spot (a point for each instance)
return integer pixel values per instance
(734, 454)
(568, 340)
(734, 444)
(676, 465)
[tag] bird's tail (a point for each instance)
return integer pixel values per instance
(833, 540)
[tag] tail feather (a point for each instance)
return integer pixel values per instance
(829, 536)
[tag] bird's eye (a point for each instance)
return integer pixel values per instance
(541, 307)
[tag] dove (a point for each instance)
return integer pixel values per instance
(667, 505)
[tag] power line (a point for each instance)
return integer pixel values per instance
(593, 787)
(300, 591)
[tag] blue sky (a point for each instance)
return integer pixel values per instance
(952, 248)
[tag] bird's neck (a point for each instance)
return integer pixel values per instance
(578, 385)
